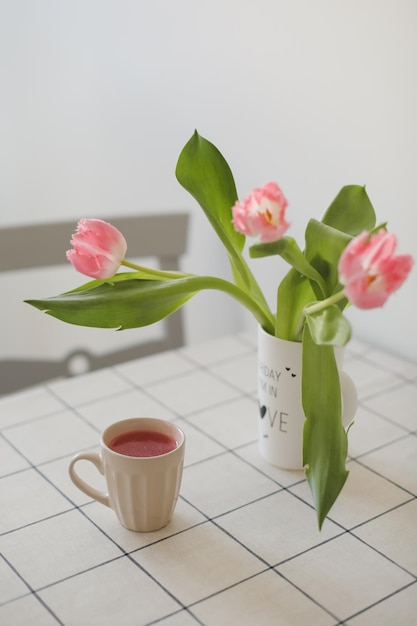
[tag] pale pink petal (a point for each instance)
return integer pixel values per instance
(98, 249)
(262, 213)
(370, 270)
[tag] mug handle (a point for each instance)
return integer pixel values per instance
(349, 398)
(95, 458)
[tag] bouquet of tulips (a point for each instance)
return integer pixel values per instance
(347, 259)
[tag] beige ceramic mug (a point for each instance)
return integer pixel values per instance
(142, 489)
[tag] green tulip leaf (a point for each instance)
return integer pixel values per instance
(294, 293)
(128, 301)
(329, 327)
(204, 173)
(351, 211)
(289, 250)
(324, 245)
(119, 304)
(324, 438)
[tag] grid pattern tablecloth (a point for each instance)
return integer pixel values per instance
(243, 546)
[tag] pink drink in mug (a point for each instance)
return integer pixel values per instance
(142, 443)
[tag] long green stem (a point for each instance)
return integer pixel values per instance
(259, 309)
(154, 273)
(241, 270)
(323, 304)
(262, 314)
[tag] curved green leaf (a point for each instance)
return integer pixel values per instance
(130, 303)
(204, 173)
(294, 293)
(289, 250)
(351, 211)
(324, 438)
(329, 327)
(324, 245)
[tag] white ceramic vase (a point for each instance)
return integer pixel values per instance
(281, 416)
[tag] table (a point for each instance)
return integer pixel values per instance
(243, 546)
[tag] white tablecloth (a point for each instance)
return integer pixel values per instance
(243, 546)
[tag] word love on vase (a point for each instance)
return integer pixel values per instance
(281, 415)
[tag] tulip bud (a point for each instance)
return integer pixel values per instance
(98, 249)
(370, 270)
(262, 213)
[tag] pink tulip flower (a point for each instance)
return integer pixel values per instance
(370, 270)
(262, 213)
(99, 249)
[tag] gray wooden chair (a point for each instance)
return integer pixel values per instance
(160, 236)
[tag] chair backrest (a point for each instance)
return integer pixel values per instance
(163, 236)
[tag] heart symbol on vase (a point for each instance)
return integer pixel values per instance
(262, 411)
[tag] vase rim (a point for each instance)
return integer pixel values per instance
(264, 332)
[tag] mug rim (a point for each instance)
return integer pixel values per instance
(152, 422)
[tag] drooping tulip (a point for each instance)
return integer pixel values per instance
(370, 270)
(262, 213)
(98, 248)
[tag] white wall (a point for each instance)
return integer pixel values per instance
(99, 96)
